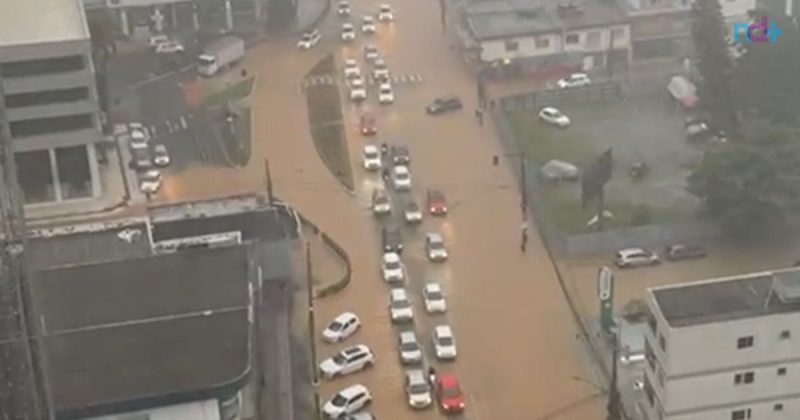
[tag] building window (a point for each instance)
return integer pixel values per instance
(43, 66)
(617, 34)
(781, 371)
(777, 407)
(740, 414)
(542, 42)
(786, 334)
(744, 378)
(512, 45)
(42, 126)
(73, 172)
(35, 176)
(46, 97)
(744, 342)
(662, 342)
(572, 39)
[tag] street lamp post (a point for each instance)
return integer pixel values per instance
(311, 330)
(523, 173)
(614, 406)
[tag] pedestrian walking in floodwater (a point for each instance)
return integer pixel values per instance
(479, 116)
(524, 243)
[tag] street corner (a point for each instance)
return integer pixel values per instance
(194, 92)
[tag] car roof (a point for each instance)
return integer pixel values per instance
(578, 75)
(433, 287)
(347, 25)
(447, 380)
(550, 109)
(401, 169)
(386, 86)
(398, 293)
(344, 317)
(370, 148)
(370, 47)
(352, 390)
(443, 331)
(358, 348)
(448, 98)
(367, 17)
(386, 5)
(391, 256)
(434, 237)
(408, 336)
(629, 251)
(416, 375)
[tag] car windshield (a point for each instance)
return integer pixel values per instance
(435, 295)
(381, 199)
(419, 388)
(371, 154)
(306, 37)
(339, 400)
(451, 392)
(400, 304)
(386, 90)
(436, 245)
(339, 359)
(445, 341)
(409, 346)
(401, 175)
(335, 326)
(392, 265)
(412, 207)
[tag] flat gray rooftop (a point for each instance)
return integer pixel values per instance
(727, 299)
(82, 248)
(41, 21)
(130, 330)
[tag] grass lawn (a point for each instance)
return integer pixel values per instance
(543, 142)
(239, 148)
(330, 143)
(324, 105)
(233, 93)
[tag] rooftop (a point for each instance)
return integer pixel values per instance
(727, 299)
(90, 245)
(140, 330)
(41, 21)
(505, 18)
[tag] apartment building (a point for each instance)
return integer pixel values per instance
(547, 34)
(724, 349)
(48, 83)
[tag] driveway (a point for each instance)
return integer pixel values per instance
(518, 351)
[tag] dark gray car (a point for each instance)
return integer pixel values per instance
(392, 241)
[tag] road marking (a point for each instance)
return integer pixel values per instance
(169, 126)
(153, 77)
(183, 123)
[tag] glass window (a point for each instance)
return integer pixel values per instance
(542, 42)
(512, 45)
(73, 172)
(43, 66)
(45, 97)
(572, 39)
(42, 126)
(781, 371)
(35, 176)
(744, 342)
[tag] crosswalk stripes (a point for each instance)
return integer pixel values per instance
(397, 79)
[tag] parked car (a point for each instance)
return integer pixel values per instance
(157, 40)
(444, 104)
(347, 401)
(368, 24)
(412, 212)
(161, 156)
(437, 203)
(309, 40)
(435, 302)
(449, 394)
(350, 360)
(385, 13)
(392, 240)
(418, 389)
(558, 170)
(142, 159)
(392, 268)
(367, 125)
(139, 136)
(434, 247)
(409, 348)
(343, 8)
(635, 257)
(343, 326)
(401, 178)
(574, 80)
(150, 181)
(348, 32)
(684, 91)
(400, 309)
(169, 47)
(400, 155)
(444, 343)
(678, 252)
(553, 116)
(380, 202)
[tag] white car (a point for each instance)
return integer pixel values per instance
(161, 156)
(309, 40)
(392, 268)
(371, 53)
(400, 309)
(157, 40)
(418, 389)
(368, 25)
(343, 326)
(444, 343)
(434, 247)
(635, 257)
(169, 47)
(553, 116)
(380, 202)
(385, 13)
(372, 157)
(409, 348)
(358, 89)
(401, 178)
(351, 70)
(385, 94)
(348, 32)
(574, 80)
(139, 136)
(379, 69)
(412, 212)
(150, 181)
(435, 302)
(347, 401)
(349, 360)
(343, 9)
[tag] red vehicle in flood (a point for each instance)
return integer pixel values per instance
(367, 125)
(437, 203)
(449, 394)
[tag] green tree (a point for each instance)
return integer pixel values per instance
(766, 76)
(753, 185)
(714, 63)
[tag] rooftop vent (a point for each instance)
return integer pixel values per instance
(570, 8)
(786, 285)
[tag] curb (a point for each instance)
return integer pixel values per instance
(344, 281)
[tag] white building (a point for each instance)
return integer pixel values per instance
(48, 84)
(542, 34)
(724, 349)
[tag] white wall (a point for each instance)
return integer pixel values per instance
(761, 411)
(201, 410)
(496, 49)
(736, 10)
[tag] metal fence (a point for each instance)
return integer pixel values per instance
(596, 92)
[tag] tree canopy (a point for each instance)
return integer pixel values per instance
(753, 185)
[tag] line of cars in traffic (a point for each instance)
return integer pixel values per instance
(146, 158)
(421, 388)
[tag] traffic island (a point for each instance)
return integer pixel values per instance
(324, 106)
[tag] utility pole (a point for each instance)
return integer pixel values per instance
(312, 331)
(23, 388)
(270, 196)
(614, 406)
(523, 170)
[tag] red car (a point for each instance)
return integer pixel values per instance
(368, 125)
(448, 393)
(437, 204)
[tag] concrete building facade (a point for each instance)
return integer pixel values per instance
(48, 83)
(724, 349)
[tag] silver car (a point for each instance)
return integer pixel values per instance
(409, 348)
